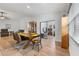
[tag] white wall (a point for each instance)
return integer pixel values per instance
(17, 21)
(73, 47)
(13, 20)
(58, 28)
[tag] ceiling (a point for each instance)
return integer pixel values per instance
(35, 8)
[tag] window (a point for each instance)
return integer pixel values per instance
(74, 26)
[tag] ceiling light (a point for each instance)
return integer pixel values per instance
(3, 15)
(28, 6)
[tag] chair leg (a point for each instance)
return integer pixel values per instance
(38, 47)
(41, 45)
(33, 46)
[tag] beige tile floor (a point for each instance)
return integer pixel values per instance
(50, 48)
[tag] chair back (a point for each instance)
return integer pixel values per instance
(17, 37)
(21, 30)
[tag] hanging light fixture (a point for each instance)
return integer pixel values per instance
(3, 15)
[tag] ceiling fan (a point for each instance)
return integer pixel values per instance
(3, 15)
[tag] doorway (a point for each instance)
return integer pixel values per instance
(47, 31)
(47, 28)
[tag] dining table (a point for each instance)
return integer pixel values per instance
(30, 37)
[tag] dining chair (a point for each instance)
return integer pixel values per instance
(19, 42)
(36, 42)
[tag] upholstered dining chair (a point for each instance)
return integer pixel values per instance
(36, 42)
(19, 42)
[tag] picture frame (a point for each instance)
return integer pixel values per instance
(8, 26)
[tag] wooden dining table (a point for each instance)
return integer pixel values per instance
(30, 36)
